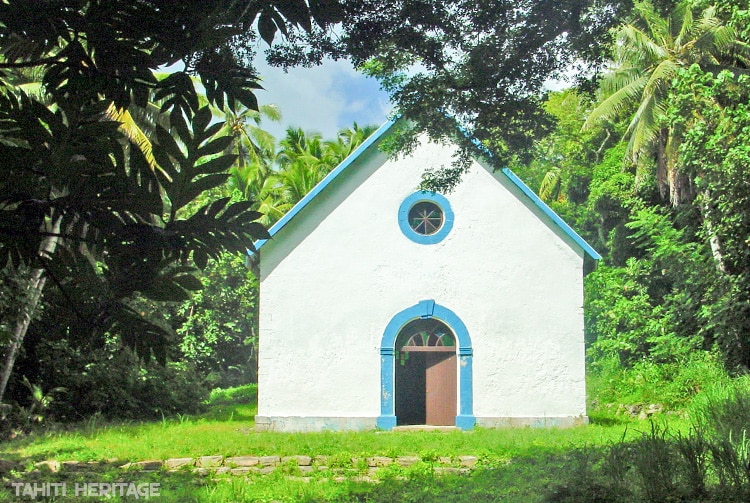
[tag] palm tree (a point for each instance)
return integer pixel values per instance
(649, 52)
(300, 177)
(251, 142)
(298, 143)
(301, 161)
(347, 140)
(253, 146)
(305, 159)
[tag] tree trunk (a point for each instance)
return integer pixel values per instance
(36, 286)
(662, 175)
(713, 239)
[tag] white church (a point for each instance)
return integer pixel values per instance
(382, 305)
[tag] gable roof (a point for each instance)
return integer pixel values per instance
(380, 133)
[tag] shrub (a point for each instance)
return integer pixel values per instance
(723, 409)
(711, 463)
(115, 384)
(247, 393)
(673, 385)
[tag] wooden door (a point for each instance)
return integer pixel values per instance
(440, 388)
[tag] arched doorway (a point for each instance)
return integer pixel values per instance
(426, 310)
(426, 368)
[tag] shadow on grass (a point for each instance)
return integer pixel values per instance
(524, 479)
(608, 420)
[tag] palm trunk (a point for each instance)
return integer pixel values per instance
(36, 286)
(662, 175)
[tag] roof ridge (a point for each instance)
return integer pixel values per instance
(482, 150)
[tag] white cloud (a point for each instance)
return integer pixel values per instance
(323, 99)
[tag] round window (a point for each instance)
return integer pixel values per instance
(425, 218)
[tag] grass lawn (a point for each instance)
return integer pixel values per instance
(227, 430)
(514, 464)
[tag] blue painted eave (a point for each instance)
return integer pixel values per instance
(536, 200)
(333, 175)
(549, 212)
(377, 135)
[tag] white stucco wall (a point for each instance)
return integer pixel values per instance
(333, 279)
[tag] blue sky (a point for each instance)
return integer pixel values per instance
(322, 99)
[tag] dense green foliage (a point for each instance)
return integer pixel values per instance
(214, 331)
(101, 225)
(652, 171)
(217, 326)
(481, 63)
(127, 194)
(111, 382)
(106, 214)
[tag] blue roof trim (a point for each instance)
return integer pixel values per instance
(275, 228)
(536, 200)
(377, 135)
(551, 214)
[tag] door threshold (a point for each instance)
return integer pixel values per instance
(424, 427)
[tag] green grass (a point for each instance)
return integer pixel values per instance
(524, 481)
(227, 430)
(516, 464)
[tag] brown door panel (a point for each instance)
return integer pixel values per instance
(440, 387)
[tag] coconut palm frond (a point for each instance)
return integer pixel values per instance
(262, 139)
(148, 118)
(638, 48)
(617, 102)
(271, 112)
(135, 134)
(661, 78)
(551, 186)
(717, 40)
(709, 19)
(684, 19)
(642, 129)
(272, 208)
(654, 26)
(620, 78)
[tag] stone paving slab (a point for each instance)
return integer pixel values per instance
(407, 460)
(177, 463)
(269, 460)
(299, 460)
(209, 461)
(468, 461)
(298, 466)
(242, 461)
(378, 461)
(53, 466)
(148, 465)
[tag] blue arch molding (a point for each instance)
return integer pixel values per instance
(425, 309)
(403, 217)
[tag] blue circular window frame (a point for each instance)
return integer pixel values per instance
(418, 197)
